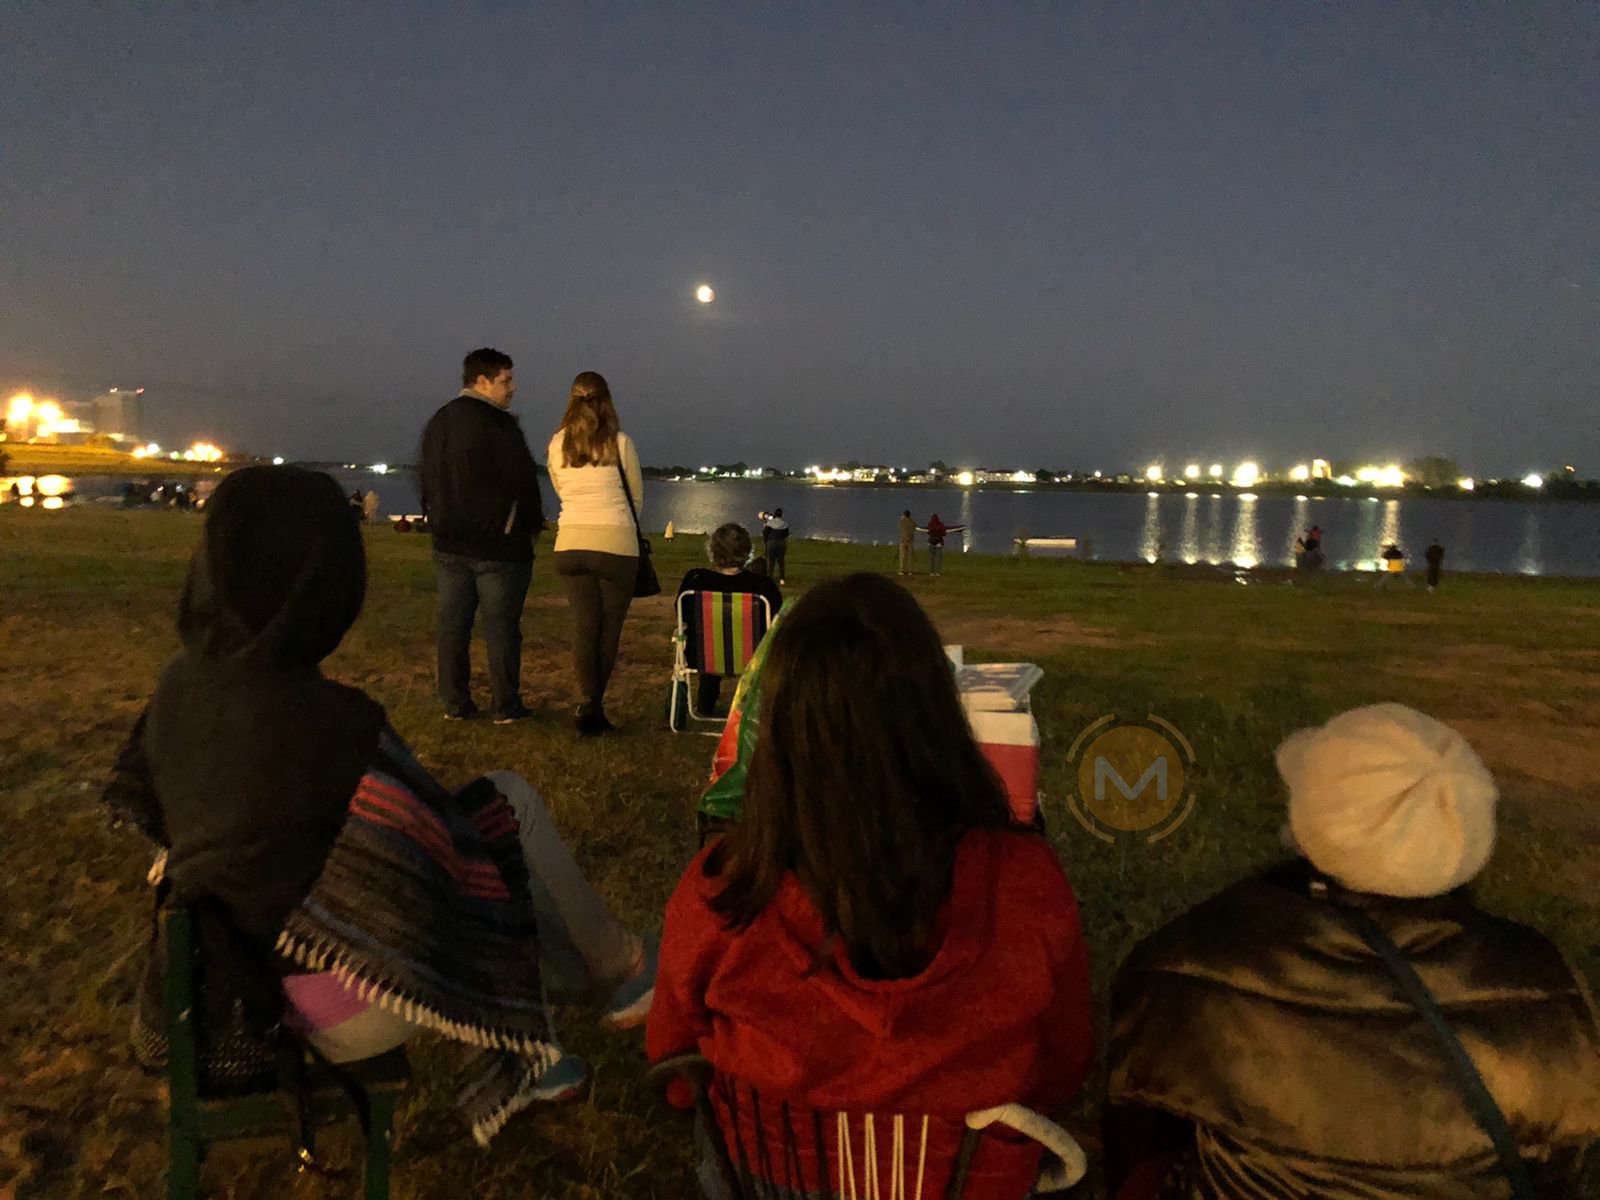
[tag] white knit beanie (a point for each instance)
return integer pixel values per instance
(1389, 801)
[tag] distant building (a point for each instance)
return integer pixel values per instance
(119, 413)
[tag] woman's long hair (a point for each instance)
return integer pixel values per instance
(589, 427)
(864, 780)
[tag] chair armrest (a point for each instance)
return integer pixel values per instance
(693, 1069)
(1070, 1163)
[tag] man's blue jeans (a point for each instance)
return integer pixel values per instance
(498, 589)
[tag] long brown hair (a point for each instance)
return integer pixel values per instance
(865, 777)
(589, 427)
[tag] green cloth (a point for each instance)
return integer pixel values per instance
(724, 799)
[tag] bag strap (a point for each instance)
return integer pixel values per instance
(1469, 1082)
(628, 492)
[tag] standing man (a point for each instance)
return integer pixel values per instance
(775, 543)
(908, 541)
(480, 495)
(1435, 559)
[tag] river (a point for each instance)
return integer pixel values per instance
(1533, 538)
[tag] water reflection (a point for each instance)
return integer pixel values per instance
(1391, 525)
(966, 519)
(1298, 524)
(1189, 547)
(1213, 550)
(1530, 554)
(1150, 540)
(1246, 545)
(1365, 552)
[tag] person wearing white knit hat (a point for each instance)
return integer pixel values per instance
(1387, 800)
(1261, 1046)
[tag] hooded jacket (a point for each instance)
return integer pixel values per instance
(1001, 1013)
(1262, 1021)
(245, 760)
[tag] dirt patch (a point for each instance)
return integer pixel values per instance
(1567, 756)
(1031, 635)
(1400, 618)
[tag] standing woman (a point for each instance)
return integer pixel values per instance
(594, 470)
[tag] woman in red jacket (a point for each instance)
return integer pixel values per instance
(875, 937)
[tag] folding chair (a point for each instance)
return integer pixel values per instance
(717, 634)
(765, 1148)
(307, 1092)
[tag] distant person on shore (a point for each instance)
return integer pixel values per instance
(358, 501)
(1393, 563)
(369, 507)
(775, 543)
(1394, 815)
(937, 531)
(908, 541)
(301, 828)
(480, 498)
(728, 548)
(1435, 560)
(1314, 538)
(594, 469)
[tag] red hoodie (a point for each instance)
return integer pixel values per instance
(1001, 1014)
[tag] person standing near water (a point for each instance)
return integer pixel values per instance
(480, 496)
(775, 543)
(1435, 560)
(908, 541)
(1394, 562)
(595, 471)
(937, 531)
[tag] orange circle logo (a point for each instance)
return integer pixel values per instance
(1132, 778)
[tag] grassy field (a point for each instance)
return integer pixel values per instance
(86, 604)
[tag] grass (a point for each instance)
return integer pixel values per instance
(86, 620)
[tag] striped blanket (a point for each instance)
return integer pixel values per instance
(424, 909)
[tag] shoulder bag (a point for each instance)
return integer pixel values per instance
(645, 582)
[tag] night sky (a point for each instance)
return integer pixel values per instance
(1039, 236)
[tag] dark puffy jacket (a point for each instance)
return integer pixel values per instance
(1297, 1068)
(480, 488)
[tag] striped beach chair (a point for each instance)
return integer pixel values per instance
(717, 634)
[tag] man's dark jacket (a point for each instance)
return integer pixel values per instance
(1263, 1022)
(480, 488)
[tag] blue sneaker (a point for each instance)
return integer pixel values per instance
(630, 1004)
(566, 1079)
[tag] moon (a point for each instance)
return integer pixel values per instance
(704, 294)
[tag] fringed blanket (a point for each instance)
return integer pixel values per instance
(424, 909)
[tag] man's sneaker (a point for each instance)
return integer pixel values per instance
(566, 1079)
(462, 714)
(630, 1004)
(508, 716)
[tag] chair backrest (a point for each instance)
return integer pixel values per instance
(772, 1149)
(722, 629)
